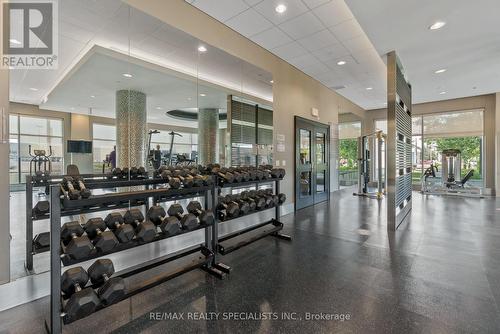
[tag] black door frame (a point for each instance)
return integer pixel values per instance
(313, 127)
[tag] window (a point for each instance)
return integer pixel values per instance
(461, 130)
(348, 153)
(35, 133)
(433, 133)
(381, 124)
(104, 140)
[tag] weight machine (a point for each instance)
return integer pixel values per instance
(450, 182)
(367, 168)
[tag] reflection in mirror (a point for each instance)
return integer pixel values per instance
(251, 132)
(140, 93)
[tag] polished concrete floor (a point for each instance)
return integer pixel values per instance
(440, 273)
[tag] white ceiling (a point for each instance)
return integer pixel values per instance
(113, 25)
(312, 35)
(468, 46)
(94, 81)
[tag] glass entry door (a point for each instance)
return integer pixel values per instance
(311, 162)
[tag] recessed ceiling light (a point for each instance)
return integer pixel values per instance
(341, 62)
(127, 75)
(280, 9)
(158, 108)
(92, 96)
(202, 48)
(440, 71)
(72, 108)
(437, 25)
(34, 89)
(14, 41)
(272, 81)
(202, 94)
(442, 93)
(189, 99)
(369, 88)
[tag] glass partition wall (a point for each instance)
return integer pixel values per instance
(433, 133)
(117, 81)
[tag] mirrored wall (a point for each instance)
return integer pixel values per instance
(129, 91)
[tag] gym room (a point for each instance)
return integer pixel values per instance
(249, 166)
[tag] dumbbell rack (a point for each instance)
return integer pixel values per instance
(206, 262)
(275, 225)
(92, 181)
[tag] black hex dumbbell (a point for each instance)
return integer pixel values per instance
(267, 199)
(260, 202)
(282, 198)
(198, 180)
(168, 225)
(125, 173)
(243, 205)
(269, 193)
(141, 172)
(225, 176)
(238, 177)
(117, 172)
(206, 217)
(42, 240)
(186, 179)
(145, 230)
(69, 189)
(111, 289)
(123, 232)
(252, 172)
(82, 301)
(78, 246)
(188, 221)
(244, 174)
(174, 182)
(80, 186)
(41, 208)
(243, 196)
(208, 180)
(228, 210)
(104, 241)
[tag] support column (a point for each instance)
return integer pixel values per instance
(131, 128)
(208, 131)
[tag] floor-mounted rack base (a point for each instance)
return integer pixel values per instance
(269, 228)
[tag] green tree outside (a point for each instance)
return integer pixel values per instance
(348, 152)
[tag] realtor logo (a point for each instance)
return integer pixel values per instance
(29, 34)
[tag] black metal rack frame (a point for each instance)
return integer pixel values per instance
(206, 262)
(274, 223)
(207, 257)
(92, 181)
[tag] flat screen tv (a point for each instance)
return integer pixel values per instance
(79, 146)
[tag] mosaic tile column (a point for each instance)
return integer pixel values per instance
(208, 131)
(131, 128)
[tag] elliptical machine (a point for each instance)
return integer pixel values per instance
(39, 159)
